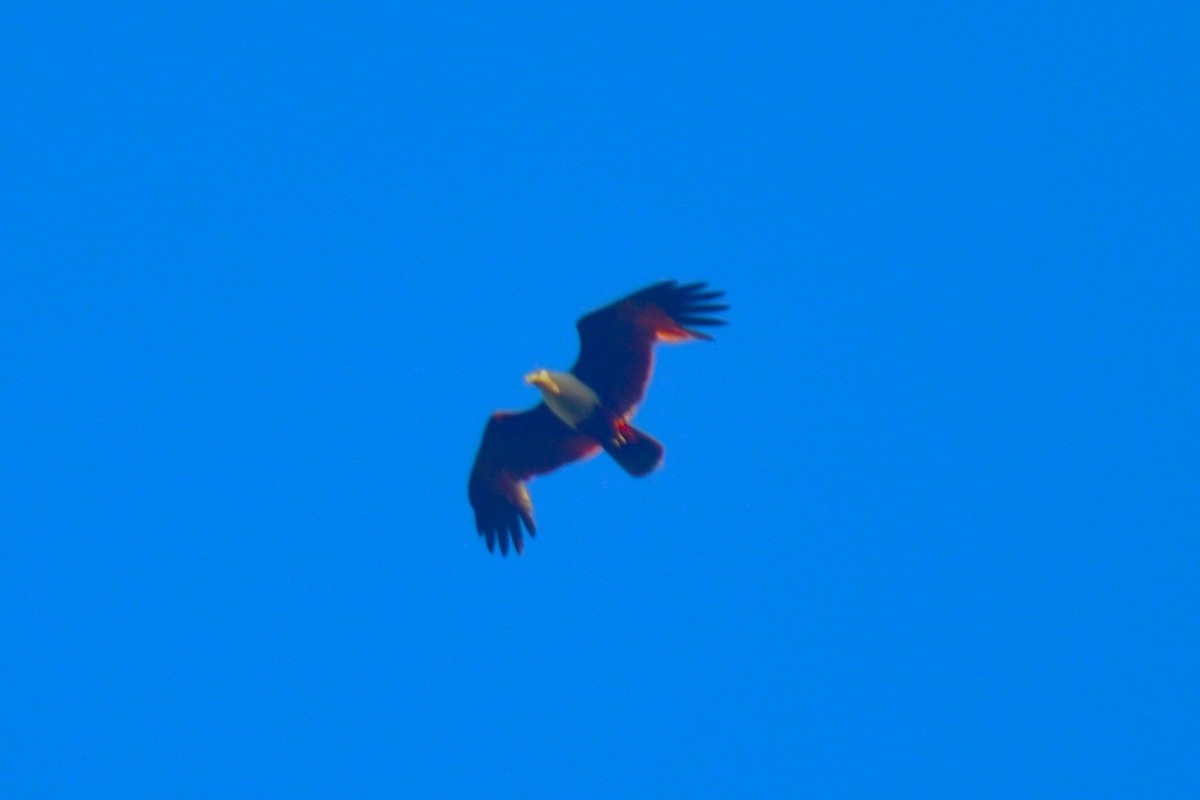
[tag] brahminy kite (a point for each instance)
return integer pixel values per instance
(587, 409)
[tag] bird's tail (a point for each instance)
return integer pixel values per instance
(636, 451)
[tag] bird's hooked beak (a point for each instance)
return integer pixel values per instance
(541, 379)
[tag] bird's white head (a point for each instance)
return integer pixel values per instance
(542, 379)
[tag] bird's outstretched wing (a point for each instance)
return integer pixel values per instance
(616, 343)
(515, 447)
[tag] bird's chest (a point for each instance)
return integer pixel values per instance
(575, 403)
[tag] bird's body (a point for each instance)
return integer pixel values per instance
(580, 408)
(584, 410)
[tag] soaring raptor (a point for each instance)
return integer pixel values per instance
(586, 409)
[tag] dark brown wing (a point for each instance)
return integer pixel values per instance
(616, 343)
(515, 447)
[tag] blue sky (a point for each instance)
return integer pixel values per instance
(927, 522)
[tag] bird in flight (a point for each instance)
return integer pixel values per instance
(587, 409)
